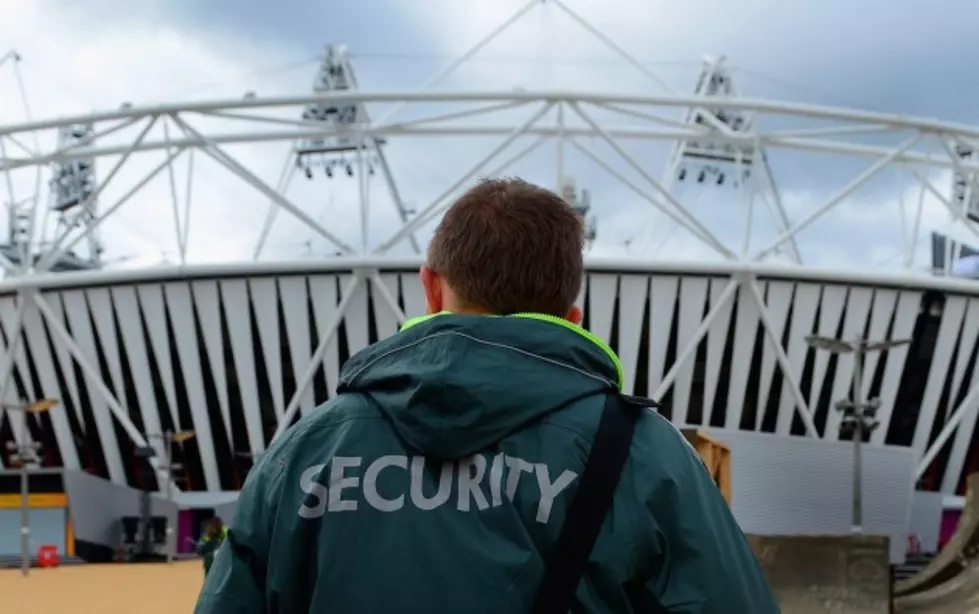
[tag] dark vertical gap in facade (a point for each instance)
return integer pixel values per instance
(51, 452)
(6, 436)
(944, 456)
(944, 400)
(290, 378)
(265, 406)
(92, 437)
(770, 415)
(240, 444)
(143, 472)
(826, 397)
(695, 412)
(343, 343)
(907, 402)
(320, 387)
(805, 381)
(126, 448)
(228, 475)
(67, 403)
(877, 377)
(613, 340)
(373, 336)
(192, 459)
(971, 464)
(749, 411)
(826, 403)
(586, 301)
(671, 354)
(400, 296)
(642, 356)
(156, 369)
(718, 415)
(290, 375)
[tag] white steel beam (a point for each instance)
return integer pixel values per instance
(497, 170)
(426, 214)
(389, 300)
(95, 379)
(285, 178)
(13, 345)
(779, 214)
(699, 131)
(783, 360)
(966, 407)
(178, 226)
(894, 121)
(850, 188)
(306, 380)
(393, 191)
(468, 54)
(679, 207)
(611, 44)
(377, 132)
(956, 214)
(659, 206)
(5, 262)
(691, 349)
(226, 160)
(315, 124)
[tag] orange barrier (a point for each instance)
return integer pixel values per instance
(34, 500)
(717, 457)
(69, 538)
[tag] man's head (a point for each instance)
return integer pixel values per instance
(506, 246)
(216, 524)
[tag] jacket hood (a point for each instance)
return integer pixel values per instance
(456, 384)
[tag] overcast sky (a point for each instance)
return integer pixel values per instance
(902, 57)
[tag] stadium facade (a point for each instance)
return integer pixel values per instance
(226, 352)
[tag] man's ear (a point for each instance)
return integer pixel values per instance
(575, 315)
(432, 284)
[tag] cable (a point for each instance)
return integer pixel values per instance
(50, 77)
(515, 59)
(277, 68)
(832, 98)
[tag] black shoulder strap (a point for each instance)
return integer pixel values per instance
(591, 503)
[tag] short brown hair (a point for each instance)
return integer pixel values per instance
(507, 246)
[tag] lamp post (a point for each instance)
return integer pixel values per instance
(858, 415)
(169, 438)
(23, 455)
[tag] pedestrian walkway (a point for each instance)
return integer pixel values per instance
(120, 588)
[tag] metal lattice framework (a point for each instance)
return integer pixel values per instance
(237, 352)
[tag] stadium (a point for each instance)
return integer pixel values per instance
(137, 398)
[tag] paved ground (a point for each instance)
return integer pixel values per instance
(147, 588)
(157, 588)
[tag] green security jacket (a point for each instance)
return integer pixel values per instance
(209, 545)
(438, 479)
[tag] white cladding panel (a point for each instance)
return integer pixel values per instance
(803, 486)
(224, 356)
